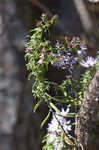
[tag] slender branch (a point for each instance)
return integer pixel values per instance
(84, 15)
(89, 23)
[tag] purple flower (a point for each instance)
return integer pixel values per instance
(57, 120)
(55, 127)
(59, 52)
(83, 47)
(28, 50)
(59, 62)
(90, 62)
(66, 58)
(81, 53)
(63, 112)
(98, 58)
(82, 50)
(72, 60)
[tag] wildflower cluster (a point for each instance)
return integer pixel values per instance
(65, 55)
(69, 53)
(55, 128)
(59, 120)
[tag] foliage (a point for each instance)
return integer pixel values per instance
(63, 57)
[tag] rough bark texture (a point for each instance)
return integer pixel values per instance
(87, 121)
(19, 126)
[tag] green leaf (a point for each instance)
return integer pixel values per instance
(37, 105)
(31, 30)
(46, 118)
(68, 141)
(70, 115)
(54, 107)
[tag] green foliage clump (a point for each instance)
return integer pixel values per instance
(46, 59)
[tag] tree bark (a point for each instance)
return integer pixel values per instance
(87, 120)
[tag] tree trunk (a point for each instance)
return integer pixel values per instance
(87, 120)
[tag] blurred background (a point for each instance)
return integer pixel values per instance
(19, 126)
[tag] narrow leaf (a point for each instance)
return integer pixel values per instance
(54, 107)
(68, 141)
(37, 105)
(46, 118)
